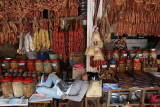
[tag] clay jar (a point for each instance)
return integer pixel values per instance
(153, 54)
(123, 55)
(7, 87)
(6, 64)
(56, 65)
(105, 65)
(28, 87)
(113, 65)
(145, 53)
(129, 65)
(121, 66)
(39, 65)
(22, 64)
(17, 85)
(132, 54)
(31, 65)
(109, 55)
(138, 54)
(137, 65)
(116, 55)
(47, 66)
(14, 64)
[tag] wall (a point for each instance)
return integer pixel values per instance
(130, 43)
(8, 50)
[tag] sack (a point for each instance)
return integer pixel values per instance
(78, 69)
(94, 89)
(154, 99)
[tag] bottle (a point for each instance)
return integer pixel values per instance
(117, 69)
(128, 105)
(42, 72)
(42, 77)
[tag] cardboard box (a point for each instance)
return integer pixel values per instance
(77, 58)
(110, 86)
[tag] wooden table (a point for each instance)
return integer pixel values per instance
(43, 102)
(142, 99)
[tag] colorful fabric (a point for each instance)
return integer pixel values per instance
(120, 45)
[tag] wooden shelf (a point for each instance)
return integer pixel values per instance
(142, 98)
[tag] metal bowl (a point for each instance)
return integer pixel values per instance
(117, 99)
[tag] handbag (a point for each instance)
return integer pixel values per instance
(94, 89)
(154, 99)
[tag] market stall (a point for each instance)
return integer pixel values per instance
(135, 67)
(39, 37)
(71, 37)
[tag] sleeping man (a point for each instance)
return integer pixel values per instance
(63, 90)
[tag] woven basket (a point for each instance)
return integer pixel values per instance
(158, 61)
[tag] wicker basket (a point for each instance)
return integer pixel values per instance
(158, 61)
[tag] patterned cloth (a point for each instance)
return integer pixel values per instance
(78, 90)
(120, 45)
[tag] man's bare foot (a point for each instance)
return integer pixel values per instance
(39, 95)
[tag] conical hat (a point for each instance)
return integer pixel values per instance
(98, 54)
(95, 37)
(100, 44)
(90, 51)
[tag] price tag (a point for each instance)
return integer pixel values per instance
(140, 54)
(21, 64)
(54, 65)
(104, 66)
(112, 66)
(3, 64)
(125, 54)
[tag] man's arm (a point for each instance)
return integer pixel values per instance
(81, 93)
(78, 78)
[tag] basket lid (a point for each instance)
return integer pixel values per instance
(120, 61)
(105, 61)
(31, 60)
(18, 79)
(38, 60)
(28, 80)
(6, 79)
(123, 51)
(131, 51)
(115, 50)
(22, 60)
(47, 60)
(138, 51)
(144, 51)
(137, 61)
(14, 60)
(6, 61)
(108, 51)
(55, 60)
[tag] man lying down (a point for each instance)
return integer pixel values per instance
(63, 90)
